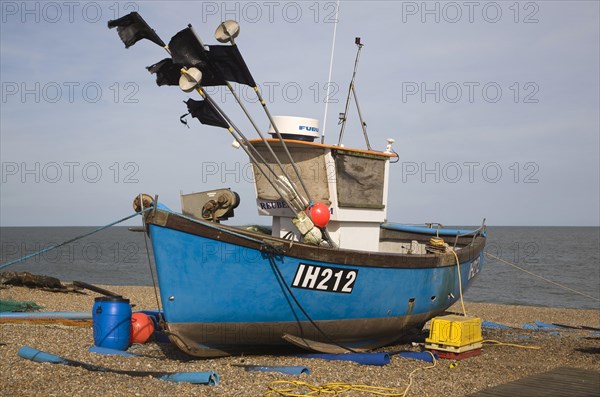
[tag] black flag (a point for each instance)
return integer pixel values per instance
(132, 28)
(206, 113)
(230, 64)
(167, 72)
(186, 50)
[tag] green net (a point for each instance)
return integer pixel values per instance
(10, 305)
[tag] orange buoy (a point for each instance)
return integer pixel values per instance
(319, 214)
(142, 328)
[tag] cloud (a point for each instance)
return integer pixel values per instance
(73, 97)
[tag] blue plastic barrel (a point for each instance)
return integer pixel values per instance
(112, 322)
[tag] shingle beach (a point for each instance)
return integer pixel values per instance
(498, 364)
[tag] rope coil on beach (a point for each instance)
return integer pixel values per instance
(297, 388)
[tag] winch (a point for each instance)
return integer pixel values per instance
(213, 205)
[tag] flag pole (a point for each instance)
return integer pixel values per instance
(231, 38)
(277, 133)
(132, 28)
(243, 142)
(247, 113)
(129, 28)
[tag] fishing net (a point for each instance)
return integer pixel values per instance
(10, 305)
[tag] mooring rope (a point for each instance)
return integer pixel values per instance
(24, 258)
(154, 285)
(439, 244)
(541, 277)
(283, 282)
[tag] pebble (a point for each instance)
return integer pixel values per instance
(496, 365)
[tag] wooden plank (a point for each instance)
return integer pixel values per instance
(564, 381)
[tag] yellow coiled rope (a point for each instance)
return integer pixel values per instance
(296, 388)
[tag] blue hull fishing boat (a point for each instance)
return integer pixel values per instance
(331, 274)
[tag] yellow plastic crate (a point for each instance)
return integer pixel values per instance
(454, 332)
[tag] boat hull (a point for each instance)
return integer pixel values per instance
(225, 291)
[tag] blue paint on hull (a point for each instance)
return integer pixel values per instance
(208, 281)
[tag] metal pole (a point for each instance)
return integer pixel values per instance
(360, 46)
(278, 134)
(245, 110)
(241, 139)
(362, 122)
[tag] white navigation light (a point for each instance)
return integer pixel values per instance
(299, 128)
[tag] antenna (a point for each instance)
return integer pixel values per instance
(327, 95)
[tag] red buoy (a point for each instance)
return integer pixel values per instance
(142, 328)
(319, 214)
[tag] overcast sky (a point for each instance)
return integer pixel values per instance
(494, 106)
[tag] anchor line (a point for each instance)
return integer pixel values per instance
(440, 244)
(541, 277)
(24, 258)
(160, 315)
(270, 254)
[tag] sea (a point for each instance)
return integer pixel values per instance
(569, 256)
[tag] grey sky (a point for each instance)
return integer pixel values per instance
(494, 106)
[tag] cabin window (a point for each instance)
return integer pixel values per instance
(360, 179)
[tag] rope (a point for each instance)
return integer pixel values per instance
(24, 258)
(495, 342)
(410, 376)
(542, 277)
(274, 264)
(438, 245)
(150, 260)
(298, 388)
(289, 389)
(462, 303)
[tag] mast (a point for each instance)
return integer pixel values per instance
(352, 92)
